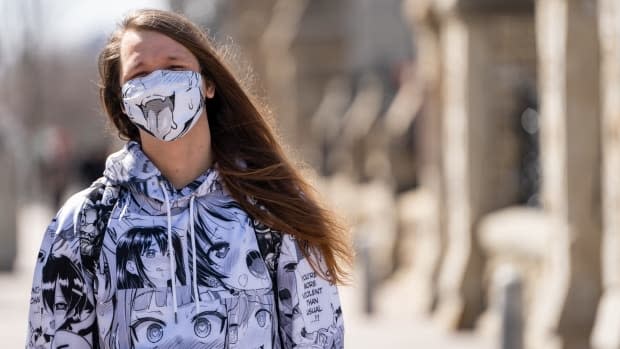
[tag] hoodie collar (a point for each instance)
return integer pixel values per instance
(130, 167)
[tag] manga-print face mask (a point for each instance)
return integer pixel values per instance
(164, 103)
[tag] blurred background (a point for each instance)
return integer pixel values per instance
(473, 146)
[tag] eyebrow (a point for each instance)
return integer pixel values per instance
(169, 58)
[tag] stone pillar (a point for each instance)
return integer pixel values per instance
(488, 54)
(280, 64)
(564, 308)
(423, 210)
(459, 281)
(607, 329)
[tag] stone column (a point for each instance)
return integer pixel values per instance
(280, 64)
(459, 280)
(423, 210)
(563, 312)
(488, 55)
(607, 329)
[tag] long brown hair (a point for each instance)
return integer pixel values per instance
(238, 131)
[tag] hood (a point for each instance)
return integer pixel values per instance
(132, 169)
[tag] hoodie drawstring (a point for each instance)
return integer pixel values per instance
(192, 216)
(171, 251)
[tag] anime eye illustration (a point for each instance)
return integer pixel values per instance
(202, 327)
(255, 264)
(261, 317)
(222, 252)
(148, 328)
(207, 321)
(290, 267)
(221, 249)
(150, 253)
(154, 333)
(60, 306)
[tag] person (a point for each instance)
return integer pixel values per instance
(200, 233)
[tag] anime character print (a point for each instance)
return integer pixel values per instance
(143, 259)
(62, 310)
(153, 325)
(120, 268)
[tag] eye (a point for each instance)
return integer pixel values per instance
(150, 253)
(256, 264)
(154, 333)
(202, 327)
(262, 315)
(290, 267)
(207, 322)
(148, 329)
(60, 306)
(222, 252)
(176, 67)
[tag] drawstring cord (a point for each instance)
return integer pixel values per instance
(192, 216)
(171, 251)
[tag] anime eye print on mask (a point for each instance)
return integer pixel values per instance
(165, 103)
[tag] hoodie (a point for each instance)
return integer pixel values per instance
(132, 262)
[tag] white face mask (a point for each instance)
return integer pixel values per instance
(164, 103)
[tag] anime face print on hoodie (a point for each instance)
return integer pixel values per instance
(143, 258)
(173, 268)
(151, 323)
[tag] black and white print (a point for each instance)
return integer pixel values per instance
(116, 270)
(164, 103)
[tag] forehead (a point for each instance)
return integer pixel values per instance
(141, 45)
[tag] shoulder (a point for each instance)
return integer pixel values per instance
(99, 193)
(77, 207)
(78, 226)
(68, 214)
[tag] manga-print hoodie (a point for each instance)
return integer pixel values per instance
(132, 262)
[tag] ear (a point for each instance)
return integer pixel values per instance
(131, 267)
(210, 90)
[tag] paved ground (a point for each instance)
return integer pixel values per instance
(382, 330)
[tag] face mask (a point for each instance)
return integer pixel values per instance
(166, 103)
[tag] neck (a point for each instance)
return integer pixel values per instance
(183, 160)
